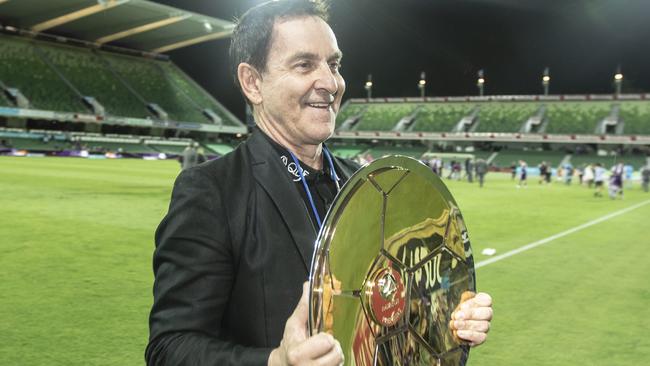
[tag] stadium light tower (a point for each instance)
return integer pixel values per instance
(480, 82)
(546, 80)
(618, 81)
(422, 84)
(368, 87)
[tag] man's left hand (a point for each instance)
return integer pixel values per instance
(471, 321)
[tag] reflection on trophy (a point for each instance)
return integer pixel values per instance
(392, 263)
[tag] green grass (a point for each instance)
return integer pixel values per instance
(76, 238)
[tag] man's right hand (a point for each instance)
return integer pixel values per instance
(298, 348)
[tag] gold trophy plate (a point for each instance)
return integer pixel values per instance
(392, 262)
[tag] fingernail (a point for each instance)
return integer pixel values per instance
(460, 315)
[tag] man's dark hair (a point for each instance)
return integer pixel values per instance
(251, 38)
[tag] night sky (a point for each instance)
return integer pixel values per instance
(581, 41)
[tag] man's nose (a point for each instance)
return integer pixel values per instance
(326, 80)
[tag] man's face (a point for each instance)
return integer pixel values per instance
(301, 88)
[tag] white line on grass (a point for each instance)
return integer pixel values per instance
(559, 235)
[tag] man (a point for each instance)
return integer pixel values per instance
(481, 170)
(469, 169)
(190, 157)
(233, 252)
(543, 167)
(599, 179)
(616, 181)
(523, 174)
(645, 177)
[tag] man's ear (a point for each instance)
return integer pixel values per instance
(249, 81)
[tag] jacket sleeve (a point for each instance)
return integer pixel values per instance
(193, 268)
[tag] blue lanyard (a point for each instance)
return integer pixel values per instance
(333, 175)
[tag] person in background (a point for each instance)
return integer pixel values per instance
(599, 179)
(543, 169)
(523, 174)
(616, 181)
(629, 171)
(481, 169)
(469, 169)
(568, 173)
(588, 177)
(645, 177)
(189, 158)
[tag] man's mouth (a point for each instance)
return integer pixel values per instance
(320, 105)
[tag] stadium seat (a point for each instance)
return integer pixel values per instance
(576, 117)
(150, 83)
(383, 117)
(86, 71)
(183, 84)
(22, 67)
(347, 111)
(441, 117)
(636, 117)
(504, 116)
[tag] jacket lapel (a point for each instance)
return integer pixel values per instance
(272, 176)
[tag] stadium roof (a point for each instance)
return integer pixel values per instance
(136, 24)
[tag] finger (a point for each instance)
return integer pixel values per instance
(297, 323)
(311, 349)
(484, 313)
(477, 325)
(333, 358)
(473, 337)
(480, 300)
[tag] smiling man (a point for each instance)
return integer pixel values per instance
(233, 252)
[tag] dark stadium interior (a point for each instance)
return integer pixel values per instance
(581, 41)
(73, 85)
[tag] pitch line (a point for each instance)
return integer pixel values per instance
(559, 235)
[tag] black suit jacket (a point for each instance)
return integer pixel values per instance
(231, 256)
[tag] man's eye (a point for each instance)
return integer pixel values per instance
(304, 65)
(336, 66)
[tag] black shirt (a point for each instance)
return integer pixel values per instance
(320, 183)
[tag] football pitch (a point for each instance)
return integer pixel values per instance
(76, 240)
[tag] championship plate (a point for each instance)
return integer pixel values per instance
(392, 263)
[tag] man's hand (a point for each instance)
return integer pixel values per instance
(297, 348)
(471, 321)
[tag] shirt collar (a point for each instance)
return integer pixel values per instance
(311, 174)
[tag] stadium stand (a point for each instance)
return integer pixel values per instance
(149, 84)
(636, 117)
(22, 67)
(576, 117)
(504, 117)
(383, 117)
(86, 71)
(349, 110)
(441, 117)
(202, 100)
(56, 77)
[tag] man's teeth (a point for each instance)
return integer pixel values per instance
(319, 105)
